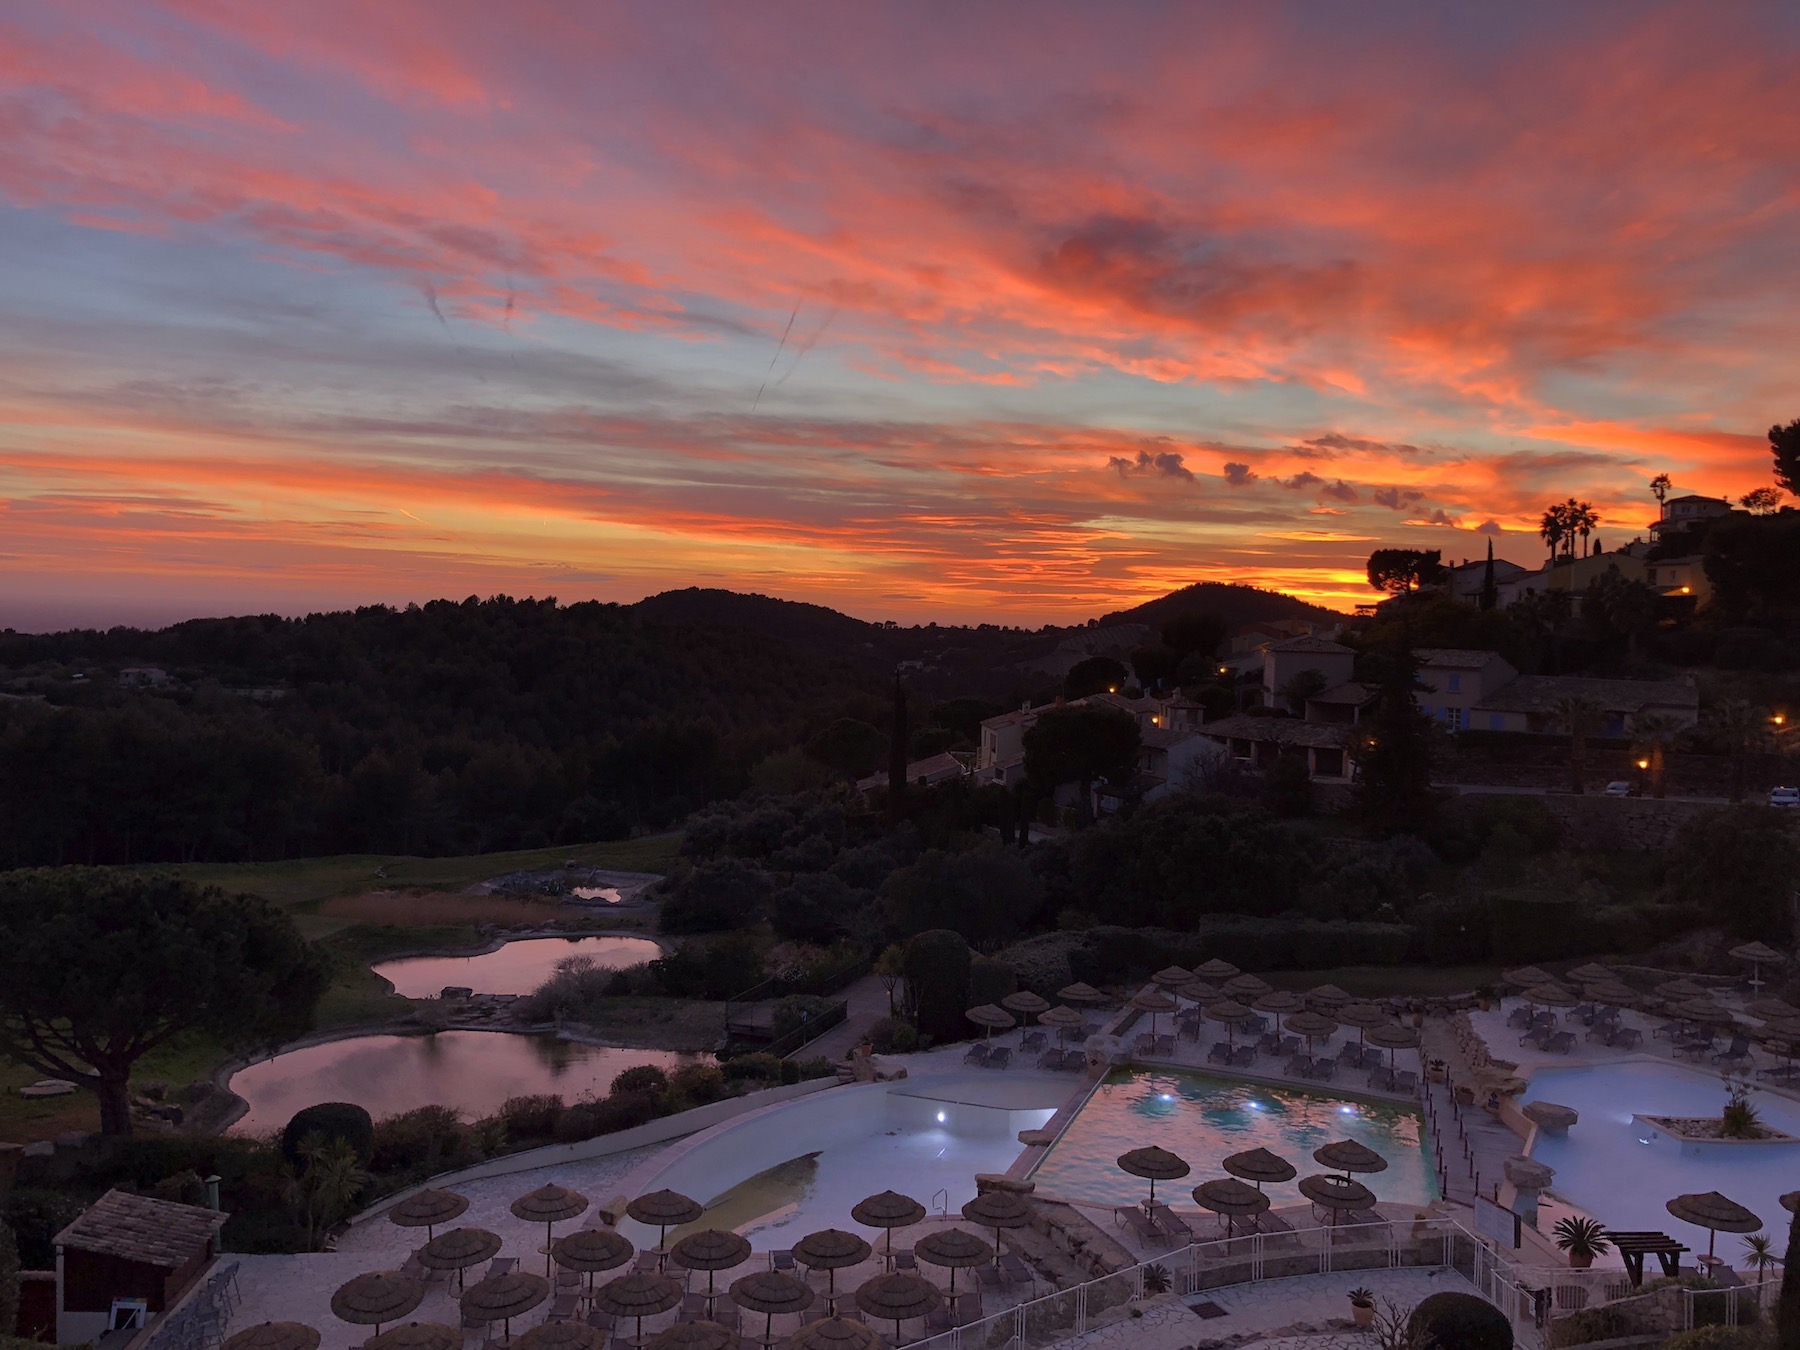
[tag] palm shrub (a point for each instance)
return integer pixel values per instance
(1582, 1238)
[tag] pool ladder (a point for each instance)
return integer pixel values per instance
(941, 1205)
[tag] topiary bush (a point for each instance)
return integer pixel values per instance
(1459, 1322)
(333, 1120)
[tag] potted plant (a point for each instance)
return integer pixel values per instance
(1362, 1306)
(1484, 996)
(1434, 1070)
(1582, 1238)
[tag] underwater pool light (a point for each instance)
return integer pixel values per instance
(940, 1117)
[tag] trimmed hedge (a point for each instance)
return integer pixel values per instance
(334, 1120)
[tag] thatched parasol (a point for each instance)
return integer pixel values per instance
(1230, 1014)
(1363, 1016)
(1153, 1164)
(427, 1209)
(1064, 1019)
(1791, 1202)
(380, 1296)
(592, 1250)
(547, 1205)
(1170, 976)
(1079, 993)
(1591, 973)
(770, 1292)
(1025, 1003)
(665, 1209)
(998, 1210)
(1550, 995)
(1260, 1165)
(1215, 969)
(282, 1336)
(1392, 1036)
(710, 1250)
(1246, 986)
(566, 1336)
(459, 1249)
(1677, 990)
(897, 1298)
(1348, 1156)
(640, 1294)
(1336, 1193)
(1200, 992)
(831, 1250)
(1772, 1010)
(1701, 1010)
(1233, 1198)
(1311, 1025)
(1715, 1213)
(1279, 1002)
(415, 1336)
(990, 1018)
(692, 1336)
(1526, 976)
(500, 1298)
(889, 1210)
(1758, 954)
(952, 1249)
(1609, 991)
(1327, 997)
(1152, 1001)
(836, 1333)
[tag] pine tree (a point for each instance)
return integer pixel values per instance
(897, 756)
(1490, 595)
(1395, 787)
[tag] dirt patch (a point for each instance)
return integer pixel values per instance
(434, 909)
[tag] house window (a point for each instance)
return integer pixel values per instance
(1454, 685)
(1454, 716)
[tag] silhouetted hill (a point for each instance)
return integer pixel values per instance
(793, 620)
(1237, 605)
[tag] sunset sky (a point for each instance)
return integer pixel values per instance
(1008, 312)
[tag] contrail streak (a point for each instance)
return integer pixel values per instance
(773, 359)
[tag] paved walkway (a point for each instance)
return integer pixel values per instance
(1302, 1313)
(868, 1000)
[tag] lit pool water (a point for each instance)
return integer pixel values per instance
(1204, 1119)
(514, 968)
(1623, 1172)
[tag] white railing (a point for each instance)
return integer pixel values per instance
(1416, 1244)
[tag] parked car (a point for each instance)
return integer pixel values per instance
(1618, 789)
(1788, 798)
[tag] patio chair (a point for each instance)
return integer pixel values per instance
(1300, 1066)
(782, 1260)
(1324, 1069)
(905, 1260)
(1050, 1061)
(1562, 1042)
(1000, 1058)
(1219, 1054)
(1172, 1224)
(977, 1055)
(1519, 1017)
(1032, 1040)
(1381, 1078)
(1165, 1044)
(1244, 1057)
(1145, 1044)
(1736, 1053)
(1406, 1081)
(1130, 1216)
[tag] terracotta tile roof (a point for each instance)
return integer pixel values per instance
(1312, 644)
(1456, 658)
(141, 1228)
(1353, 692)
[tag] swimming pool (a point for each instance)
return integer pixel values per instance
(782, 1173)
(1203, 1119)
(1622, 1172)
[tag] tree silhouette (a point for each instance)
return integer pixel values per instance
(1784, 444)
(1078, 745)
(1579, 717)
(1394, 756)
(1761, 501)
(1553, 527)
(1657, 733)
(1787, 1308)
(1399, 570)
(1739, 728)
(1659, 486)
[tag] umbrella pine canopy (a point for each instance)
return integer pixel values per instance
(1260, 1165)
(417, 1336)
(380, 1296)
(276, 1336)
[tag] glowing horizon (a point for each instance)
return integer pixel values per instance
(923, 313)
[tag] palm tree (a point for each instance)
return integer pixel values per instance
(1584, 518)
(1552, 526)
(1659, 486)
(1739, 727)
(1759, 1255)
(1657, 733)
(1579, 716)
(333, 1178)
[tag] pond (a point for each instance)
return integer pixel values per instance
(470, 1071)
(515, 968)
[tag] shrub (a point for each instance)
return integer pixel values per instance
(577, 1123)
(894, 1036)
(696, 1084)
(1719, 1337)
(796, 1011)
(814, 1068)
(333, 1120)
(625, 1110)
(758, 1065)
(9, 1281)
(989, 981)
(531, 1117)
(427, 1137)
(640, 1078)
(1459, 1322)
(790, 1072)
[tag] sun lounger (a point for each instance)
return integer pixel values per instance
(1406, 1081)
(1032, 1040)
(1562, 1042)
(502, 1265)
(905, 1260)
(1269, 1045)
(1130, 1216)
(1670, 1030)
(1350, 1054)
(600, 1321)
(1300, 1066)
(1323, 1069)
(1381, 1079)
(1172, 1224)
(1016, 1269)
(1219, 1054)
(1190, 1031)
(977, 1054)
(1074, 1061)
(1736, 1053)
(1165, 1044)
(1244, 1057)
(1050, 1060)
(1290, 1045)
(999, 1058)
(563, 1309)
(1144, 1044)
(782, 1260)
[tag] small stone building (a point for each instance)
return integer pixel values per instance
(129, 1246)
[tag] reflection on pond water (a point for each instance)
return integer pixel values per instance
(516, 968)
(470, 1071)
